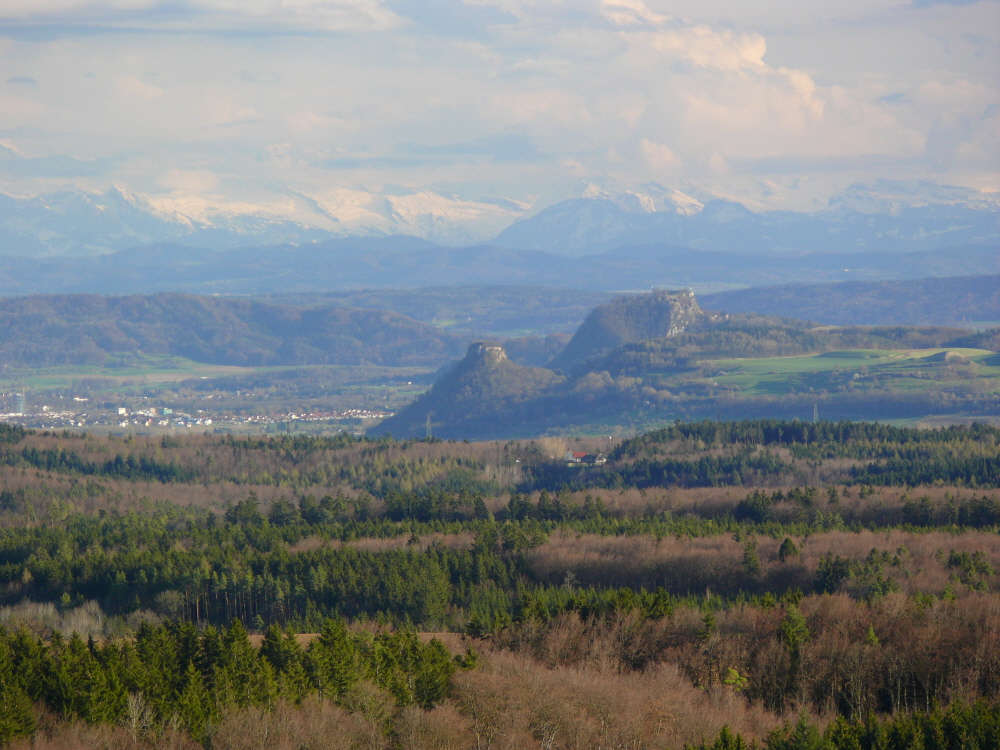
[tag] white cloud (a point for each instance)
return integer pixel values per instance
(132, 87)
(304, 121)
(315, 15)
(225, 111)
(629, 12)
(702, 46)
(714, 91)
(718, 164)
(189, 180)
(658, 155)
(31, 9)
(17, 111)
(548, 105)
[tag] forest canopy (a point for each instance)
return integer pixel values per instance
(762, 581)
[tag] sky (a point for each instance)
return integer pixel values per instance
(506, 103)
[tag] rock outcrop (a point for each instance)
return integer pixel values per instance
(656, 315)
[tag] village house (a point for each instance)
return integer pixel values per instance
(584, 458)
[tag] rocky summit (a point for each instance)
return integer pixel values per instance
(659, 314)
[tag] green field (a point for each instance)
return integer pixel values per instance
(152, 371)
(145, 370)
(187, 385)
(904, 371)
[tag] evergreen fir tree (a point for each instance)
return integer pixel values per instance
(192, 703)
(434, 670)
(334, 657)
(16, 716)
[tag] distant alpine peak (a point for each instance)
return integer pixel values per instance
(881, 196)
(885, 196)
(648, 199)
(578, 218)
(80, 222)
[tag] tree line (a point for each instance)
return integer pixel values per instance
(176, 673)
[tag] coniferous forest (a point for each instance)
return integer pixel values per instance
(711, 585)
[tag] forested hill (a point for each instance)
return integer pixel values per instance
(959, 300)
(86, 329)
(483, 394)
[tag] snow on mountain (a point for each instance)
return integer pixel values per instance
(582, 218)
(892, 196)
(82, 223)
(442, 218)
(884, 216)
(644, 199)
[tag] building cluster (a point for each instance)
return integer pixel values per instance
(353, 415)
(48, 419)
(582, 458)
(323, 416)
(161, 417)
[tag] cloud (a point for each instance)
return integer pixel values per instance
(499, 96)
(224, 111)
(451, 18)
(501, 148)
(264, 78)
(131, 86)
(932, 3)
(629, 12)
(305, 121)
(189, 180)
(307, 16)
(15, 163)
(718, 164)
(705, 47)
(377, 162)
(658, 155)
(896, 97)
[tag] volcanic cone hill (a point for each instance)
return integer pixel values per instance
(659, 314)
(466, 398)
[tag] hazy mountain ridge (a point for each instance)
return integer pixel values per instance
(410, 262)
(588, 226)
(86, 223)
(78, 223)
(86, 329)
(482, 310)
(934, 301)
(886, 215)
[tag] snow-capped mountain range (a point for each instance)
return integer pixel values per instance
(884, 216)
(81, 223)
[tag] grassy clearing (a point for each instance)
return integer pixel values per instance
(902, 370)
(156, 372)
(145, 369)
